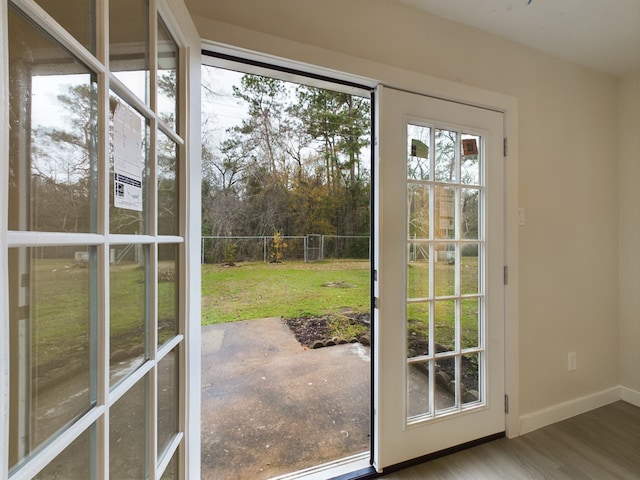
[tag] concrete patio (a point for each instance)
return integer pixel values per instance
(271, 407)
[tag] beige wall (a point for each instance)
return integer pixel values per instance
(568, 163)
(630, 232)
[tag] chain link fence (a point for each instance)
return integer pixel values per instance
(307, 248)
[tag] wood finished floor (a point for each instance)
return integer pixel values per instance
(603, 444)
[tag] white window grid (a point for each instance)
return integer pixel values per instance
(458, 352)
(98, 415)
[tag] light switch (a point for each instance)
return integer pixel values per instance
(572, 361)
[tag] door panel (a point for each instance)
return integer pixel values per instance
(102, 274)
(439, 349)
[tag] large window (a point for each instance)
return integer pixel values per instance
(95, 242)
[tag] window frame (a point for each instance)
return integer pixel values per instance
(178, 24)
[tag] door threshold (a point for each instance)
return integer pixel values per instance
(338, 468)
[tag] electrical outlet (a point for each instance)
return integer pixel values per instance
(521, 219)
(572, 361)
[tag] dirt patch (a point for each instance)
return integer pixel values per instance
(316, 332)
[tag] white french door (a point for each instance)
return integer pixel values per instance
(98, 290)
(439, 321)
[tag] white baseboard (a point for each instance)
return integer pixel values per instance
(562, 411)
(630, 396)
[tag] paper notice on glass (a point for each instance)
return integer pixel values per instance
(128, 159)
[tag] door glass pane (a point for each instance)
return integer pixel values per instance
(128, 439)
(470, 160)
(129, 44)
(418, 329)
(418, 389)
(469, 269)
(167, 292)
(469, 213)
(418, 208)
(167, 78)
(423, 393)
(129, 179)
(444, 221)
(446, 381)
(51, 327)
(445, 325)
(469, 323)
(471, 381)
(445, 157)
(445, 269)
(74, 463)
(167, 399)
(418, 163)
(129, 281)
(167, 185)
(79, 21)
(53, 115)
(418, 271)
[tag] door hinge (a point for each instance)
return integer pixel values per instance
(505, 148)
(376, 302)
(506, 275)
(506, 403)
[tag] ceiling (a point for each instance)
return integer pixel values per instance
(600, 34)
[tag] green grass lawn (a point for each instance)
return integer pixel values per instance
(296, 289)
(292, 289)
(60, 307)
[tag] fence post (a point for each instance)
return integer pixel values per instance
(264, 248)
(304, 247)
(321, 252)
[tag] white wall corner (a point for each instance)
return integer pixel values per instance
(562, 411)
